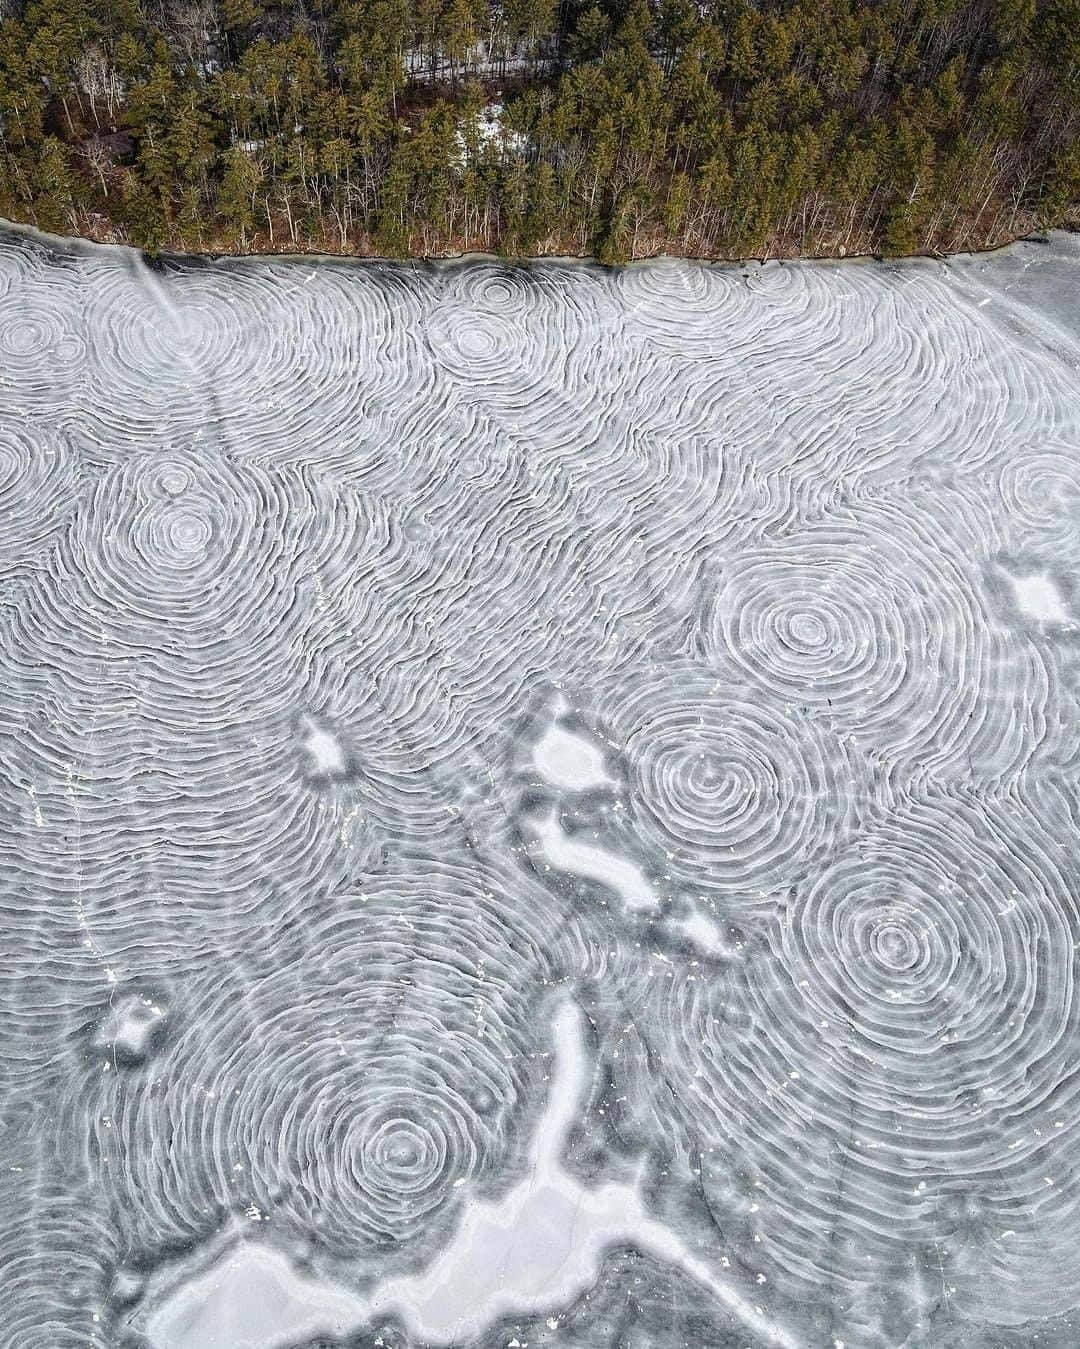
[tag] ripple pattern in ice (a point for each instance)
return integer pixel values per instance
(402, 663)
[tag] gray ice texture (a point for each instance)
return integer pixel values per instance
(539, 806)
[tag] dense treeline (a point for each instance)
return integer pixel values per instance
(617, 127)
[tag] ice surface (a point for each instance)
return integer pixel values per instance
(537, 1248)
(539, 805)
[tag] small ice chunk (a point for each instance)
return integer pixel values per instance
(703, 933)
(570, 761)
(127, 1286)
(132, 1028)
(327, 759)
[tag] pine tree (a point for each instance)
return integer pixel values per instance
(240, 181)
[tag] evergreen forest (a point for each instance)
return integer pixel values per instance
(616, 128)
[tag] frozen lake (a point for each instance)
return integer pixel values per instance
(540, 806)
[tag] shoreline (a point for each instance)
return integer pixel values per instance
(77, 242)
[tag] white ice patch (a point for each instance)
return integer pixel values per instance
(253, 1298)
(570, 761)
(703, 933)
(592, 863)
(1038, 597)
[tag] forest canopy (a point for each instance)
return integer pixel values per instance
(619, 128)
